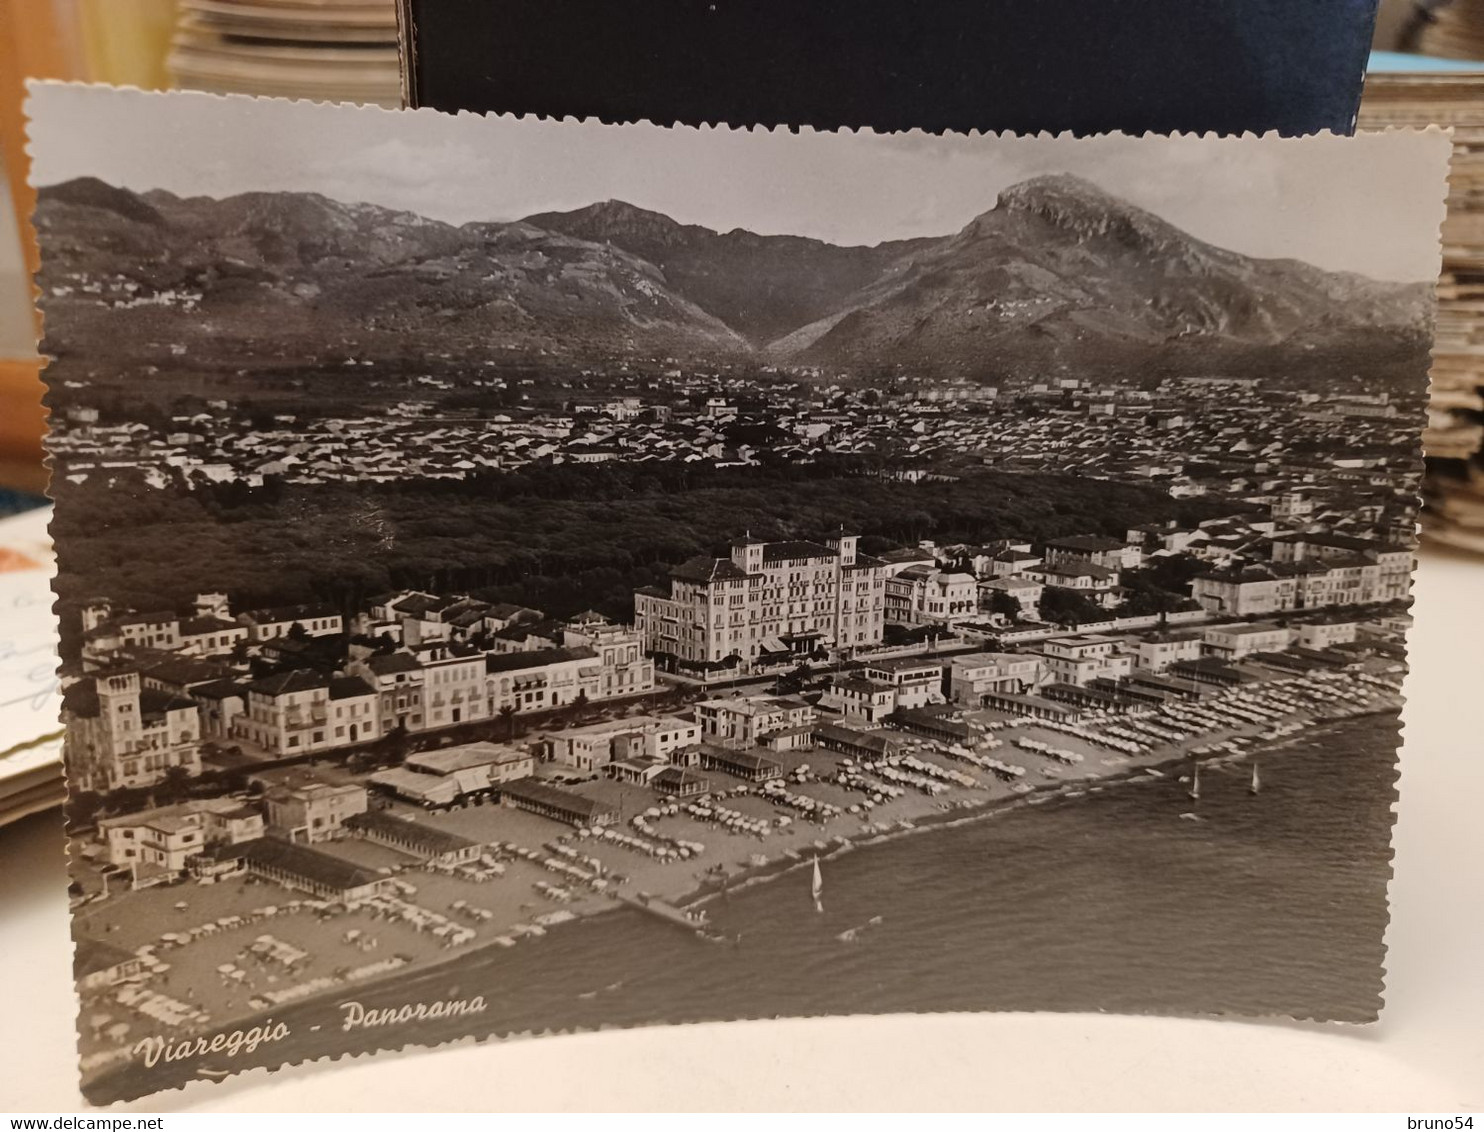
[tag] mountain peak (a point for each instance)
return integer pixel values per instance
(1056, 188)
(1080, 207)
(609, 221)
(90, 192)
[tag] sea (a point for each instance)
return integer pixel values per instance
(1129, 897)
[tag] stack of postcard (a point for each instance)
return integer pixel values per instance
(336, 50)
(1455, 434)
(30, 733)
(1451, 29)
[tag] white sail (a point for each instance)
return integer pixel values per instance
(817, 888)
(1195, 781)
(1256, 780)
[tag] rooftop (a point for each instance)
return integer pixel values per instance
(1087, 544)
(349, 687)
(423, 839)
(92, 956)
(450, 759)
(392, 663)
(578, 805)
(703, 569)
(302, 862)
(283, 613)
(536, 658)
(285, 683)
(780, 551)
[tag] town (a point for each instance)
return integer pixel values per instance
(272, 803)
(286, 801)
(1189, 435)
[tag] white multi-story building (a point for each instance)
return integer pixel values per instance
(287, 714)
(924, 595)
(623, 669)
(918, 682)
(167, 837)
(670, 739)
(1109, 553)
(1313, 582)
(314, 620)
(769, 599)
(540, 679)
(1024, 590)
(1233, 642)
(455, 689)
(754, 721)
(860, 699)
(1243, 591)
(354, 711)
(1391, 579)
(1326, 634)
(298, 712)
(398, 680)
(1092, 581)
(1081, 660)
(973, 675)
(119, 734)
(1157, 651)
(304, 808)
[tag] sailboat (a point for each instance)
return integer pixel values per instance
(817, 888)
(1195, 781)
(1256, 781)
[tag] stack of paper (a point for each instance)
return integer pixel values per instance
(1454, 30)
(30, 698)
(1455, 435)
(335, 50)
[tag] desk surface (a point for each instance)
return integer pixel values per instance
(1427, 1053)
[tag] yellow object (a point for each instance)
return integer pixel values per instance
(125, 41)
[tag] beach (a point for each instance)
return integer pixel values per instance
(509, 900)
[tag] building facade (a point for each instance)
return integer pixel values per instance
(304, 809)
(167, 837)
(589, 749)
(768, 600)
(120, 734)
(1081, 660)
(924, 595)
(752, 721)
(973, 676)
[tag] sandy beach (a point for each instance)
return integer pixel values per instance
(229, 975)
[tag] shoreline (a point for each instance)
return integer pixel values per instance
(699, 896)
(967, 813)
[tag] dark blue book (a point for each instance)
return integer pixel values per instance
(1295, 66)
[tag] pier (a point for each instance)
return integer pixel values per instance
(669, 913)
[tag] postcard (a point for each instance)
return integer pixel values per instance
(520, 576)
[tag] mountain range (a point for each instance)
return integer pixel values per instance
(1058, 275)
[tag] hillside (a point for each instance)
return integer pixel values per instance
(295, 275)
(1060, 274)
(1058, 277)
(761, 286)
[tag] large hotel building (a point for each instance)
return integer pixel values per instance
(768, 599)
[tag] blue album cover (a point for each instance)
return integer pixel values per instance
(1087, 66)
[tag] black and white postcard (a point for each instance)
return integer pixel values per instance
(523, 576)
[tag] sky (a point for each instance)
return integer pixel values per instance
(1370, 204)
